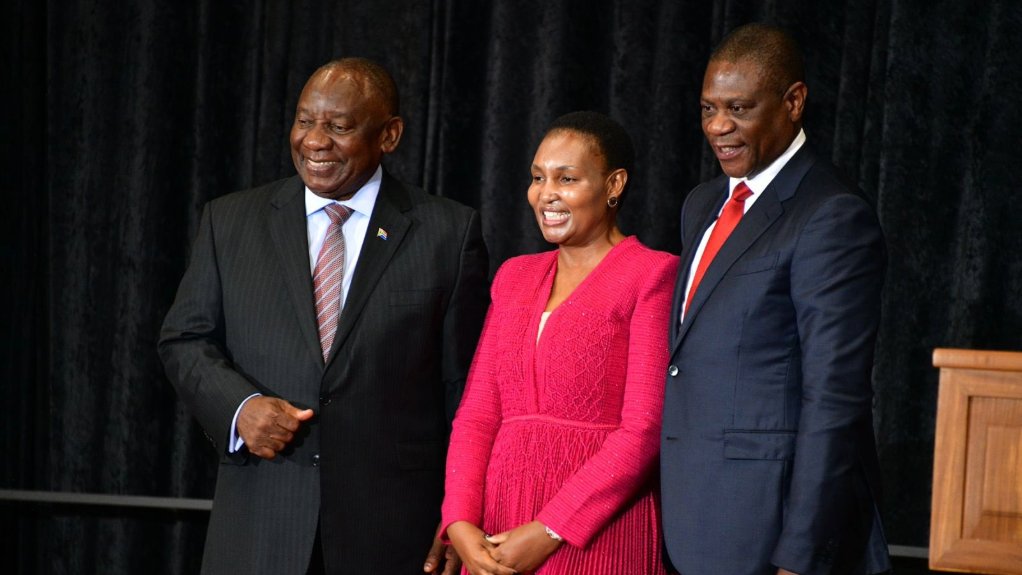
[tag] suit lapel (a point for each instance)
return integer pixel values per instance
(290, 235)
(691, 243)
(760, 216)
(376, 254)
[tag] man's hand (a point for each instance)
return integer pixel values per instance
(784, 572)
(268, 424)
(442, 555)
(524, 548)
(475, 550)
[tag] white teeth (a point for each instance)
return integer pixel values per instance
(559, 216)
(315, 164)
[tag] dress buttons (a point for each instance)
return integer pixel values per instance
(324, 400)
(315, 460)
(672, 371)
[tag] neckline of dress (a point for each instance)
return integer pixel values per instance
(551, 274)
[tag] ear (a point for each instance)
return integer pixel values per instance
(616, 182)
(795, 101)
(390, 135)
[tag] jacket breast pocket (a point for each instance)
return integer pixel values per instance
(755, 444)
(755, 265)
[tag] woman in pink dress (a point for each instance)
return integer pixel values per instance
(555, 444)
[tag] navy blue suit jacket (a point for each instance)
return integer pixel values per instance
(768, 454)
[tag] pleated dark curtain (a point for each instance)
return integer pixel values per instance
(119, 120)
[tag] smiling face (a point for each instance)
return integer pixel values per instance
(342, 129)
(746, 120)
(570, 187)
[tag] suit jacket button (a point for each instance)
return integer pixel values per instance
(324, 400)
(672, 371)
(315, 460)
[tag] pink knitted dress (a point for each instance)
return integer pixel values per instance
(566, 431)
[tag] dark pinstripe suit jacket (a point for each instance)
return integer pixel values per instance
(370, 465)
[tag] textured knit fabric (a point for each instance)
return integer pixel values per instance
(566, 430)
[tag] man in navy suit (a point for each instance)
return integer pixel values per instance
(769, 462)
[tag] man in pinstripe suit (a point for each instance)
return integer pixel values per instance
(333, 444)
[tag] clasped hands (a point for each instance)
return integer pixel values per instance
(516, 552)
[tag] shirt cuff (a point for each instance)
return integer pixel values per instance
(236, 441)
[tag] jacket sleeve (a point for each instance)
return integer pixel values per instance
(192, 346)
(463, 317)
(609, 480)
(836, 277)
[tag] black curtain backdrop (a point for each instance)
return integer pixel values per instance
(119, 120)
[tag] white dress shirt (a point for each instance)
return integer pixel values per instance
(317, 221)
(354, 230)
(757, 184)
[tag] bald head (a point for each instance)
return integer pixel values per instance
(770, 48)
(374, 78)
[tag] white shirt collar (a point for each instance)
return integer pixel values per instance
(361, 202)
(760, 181)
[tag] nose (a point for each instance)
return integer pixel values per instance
(718, 124)
(315, 139)
(545, 191)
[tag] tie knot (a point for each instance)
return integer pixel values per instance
(338, 213)
(741, 193)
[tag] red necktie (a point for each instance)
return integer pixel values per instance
(328, 277)
(726, 223)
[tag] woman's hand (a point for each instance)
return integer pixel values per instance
(475, 551)
(524, 548)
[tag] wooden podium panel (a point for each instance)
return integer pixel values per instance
(976, 516)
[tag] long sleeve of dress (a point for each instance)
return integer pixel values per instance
(608, 480)
(474, 428)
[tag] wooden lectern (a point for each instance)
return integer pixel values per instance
(976, 520)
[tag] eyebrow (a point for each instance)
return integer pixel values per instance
(565, 167)
(331, 115)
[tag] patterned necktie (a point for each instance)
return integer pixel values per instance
(328, 277)
(726, 223)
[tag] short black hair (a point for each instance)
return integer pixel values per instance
(767, 46)
(609, 137)
(378, 78)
